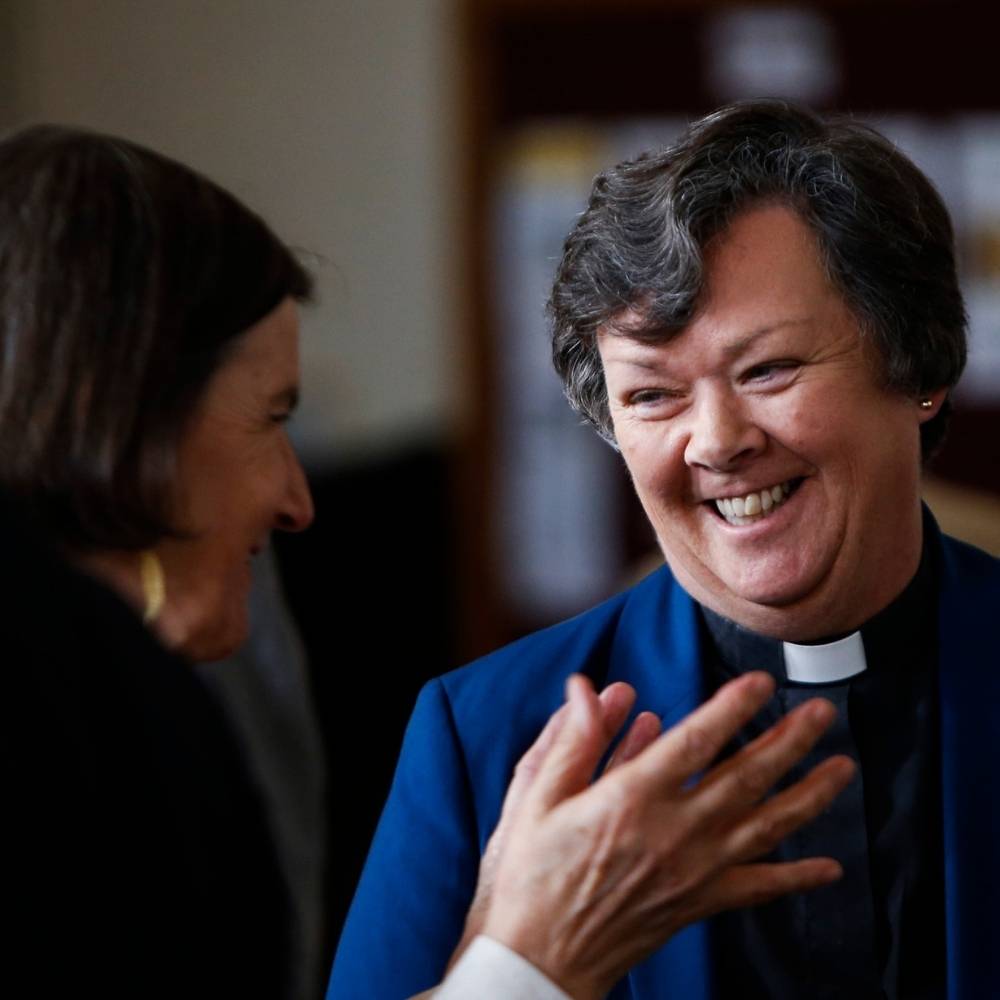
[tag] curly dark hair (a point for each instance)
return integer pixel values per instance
(124, 279)
(884, 234)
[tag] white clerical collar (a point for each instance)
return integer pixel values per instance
(827, 663)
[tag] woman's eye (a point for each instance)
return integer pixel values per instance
(772, 371)
(648, 397)
(645, 396)
(281, 418)
(655, 402)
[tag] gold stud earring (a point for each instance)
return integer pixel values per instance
(926, 404)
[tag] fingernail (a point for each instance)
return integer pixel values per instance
(759, 683)
(835, 872)
(822, 711)
(847, 769)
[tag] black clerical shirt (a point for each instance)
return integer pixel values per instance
(879, 932)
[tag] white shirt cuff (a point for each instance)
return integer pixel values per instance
(489, 970)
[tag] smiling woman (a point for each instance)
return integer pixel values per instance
(765, 320)
(749, 437)
(240, 480)
(237, 480)
(149, 343)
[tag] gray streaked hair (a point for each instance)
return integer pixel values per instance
(884, 235)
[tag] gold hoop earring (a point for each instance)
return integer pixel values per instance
(153, 586)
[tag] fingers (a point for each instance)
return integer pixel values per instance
(769, 824)
(691, 745)
(616, 701)
(645, 729)
(614, 704)
(752, 885)
(578, 746)
(738, 783)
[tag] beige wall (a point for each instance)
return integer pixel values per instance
(335, 120)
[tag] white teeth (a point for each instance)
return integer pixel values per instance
(745, 510)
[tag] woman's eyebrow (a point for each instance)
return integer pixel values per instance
(649, 366)
(733, 350)
(744, 343)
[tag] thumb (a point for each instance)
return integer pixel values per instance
(576, 749)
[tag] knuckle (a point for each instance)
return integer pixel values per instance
(526, 767)
(753, 782)
(696, 743)
(675, 878)
(768, 831)
(683, 862)
(622, 802)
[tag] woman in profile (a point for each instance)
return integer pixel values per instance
(148, 363)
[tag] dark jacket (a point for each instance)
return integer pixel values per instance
(139, 864)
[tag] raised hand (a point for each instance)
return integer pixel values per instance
(587, 880)
(612, 708)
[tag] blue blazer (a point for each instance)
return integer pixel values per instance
(470, 727)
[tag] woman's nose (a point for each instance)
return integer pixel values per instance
(296, 512)
(723, 436)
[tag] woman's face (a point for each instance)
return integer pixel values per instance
(771, 389)
(238, 480)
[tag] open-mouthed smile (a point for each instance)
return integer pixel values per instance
(751, 507)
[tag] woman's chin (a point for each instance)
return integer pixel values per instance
(765, 583)
(216, 640)
(213, 654)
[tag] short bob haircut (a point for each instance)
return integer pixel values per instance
(884, 235)
(124, 278)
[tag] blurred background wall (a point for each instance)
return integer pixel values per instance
(428, 158)
(336, 121)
